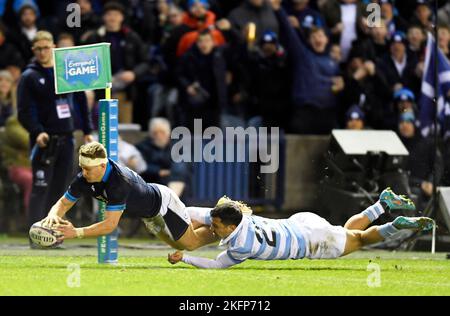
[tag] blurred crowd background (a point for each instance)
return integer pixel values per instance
(313, 66)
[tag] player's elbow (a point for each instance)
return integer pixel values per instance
(109, 227)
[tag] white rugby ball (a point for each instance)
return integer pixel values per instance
(44, 236)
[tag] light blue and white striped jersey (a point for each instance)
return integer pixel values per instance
(262, 238)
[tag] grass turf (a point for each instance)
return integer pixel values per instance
(146, 271)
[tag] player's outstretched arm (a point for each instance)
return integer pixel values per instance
(222, 261)
(102, 228)
(57, 212)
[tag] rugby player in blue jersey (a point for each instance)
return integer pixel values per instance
(303, 235)
(123, 190)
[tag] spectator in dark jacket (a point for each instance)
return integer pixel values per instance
(420, 160)
(315, 80)
(9, 55)
(129, 57)
(366, 86)
(394, 22)
(258, 12)
(27, 29)
(156, 151)
(416, 39)
(344, 18)
(399, 68)
(374, 46)
(202, 81)
(49, 118)
(423, 15)
(268, 81)
(173, 31)
(89, 21)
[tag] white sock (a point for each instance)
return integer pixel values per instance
(373, 212)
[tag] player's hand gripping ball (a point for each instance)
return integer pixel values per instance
(43, 236)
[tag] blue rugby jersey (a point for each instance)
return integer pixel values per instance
(121, 189)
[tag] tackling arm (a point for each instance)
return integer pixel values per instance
(222, 261)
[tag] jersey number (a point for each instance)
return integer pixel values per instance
(260, 233)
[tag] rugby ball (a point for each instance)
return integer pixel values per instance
(45, 237)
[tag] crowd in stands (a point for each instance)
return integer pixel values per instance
(307, 67)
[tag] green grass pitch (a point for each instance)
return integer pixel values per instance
(144, 270)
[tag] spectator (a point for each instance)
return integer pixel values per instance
(404, 100)
(173, 31)
(306, 17)
(144, 17)
(9, 55)
(129, 58)
(28, 27)
(313, 96)
(365, 85)
(15, 158)
(131, 157)
(49, 120)
(423, 15)
(394, 23)
(335, 53)
(201, 76)
(258, 12)
(355, 118)
(156, 150)
(420, 160)
(344, 18)
(198, 18)
(416, 38)
(398, 68)
(89, 21)
(444, 14)
(444, 39)
(65, 40)
(7, 97)
(374, 46)
(267, 81)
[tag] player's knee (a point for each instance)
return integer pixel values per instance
(359, 240)
(355, 238)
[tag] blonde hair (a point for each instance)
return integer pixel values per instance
(42, 36)
(93, 150)
(11, 95)
(244, 208)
